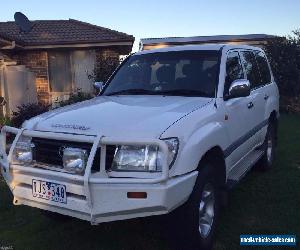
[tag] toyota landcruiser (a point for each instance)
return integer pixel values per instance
(169, 132)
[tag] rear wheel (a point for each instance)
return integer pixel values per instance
(192, 226)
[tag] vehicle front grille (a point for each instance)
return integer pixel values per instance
(49, 152)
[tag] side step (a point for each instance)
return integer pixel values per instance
(240, 170)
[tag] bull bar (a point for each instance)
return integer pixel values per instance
(87, 179)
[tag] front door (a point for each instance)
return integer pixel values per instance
(239, 112)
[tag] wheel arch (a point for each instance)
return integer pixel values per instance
(273, 116)
(215, 155)
(208, 139)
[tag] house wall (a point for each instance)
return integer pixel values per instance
(106, 53)
(1, 88)
(19, 87)
(37, 62)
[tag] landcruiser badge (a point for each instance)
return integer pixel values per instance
(73, 126)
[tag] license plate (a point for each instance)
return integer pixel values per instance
(49, 191)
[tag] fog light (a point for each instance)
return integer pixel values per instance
(74, 160)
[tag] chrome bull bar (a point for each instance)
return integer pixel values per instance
(96, 141)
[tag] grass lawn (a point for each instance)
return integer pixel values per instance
(263, 203)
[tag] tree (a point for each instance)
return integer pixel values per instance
(104, 68)
(284, 56)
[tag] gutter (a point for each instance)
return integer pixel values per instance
(5, 41)
(8, 47)
(12, 46)
(79, 45)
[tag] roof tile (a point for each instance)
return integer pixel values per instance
(49, 32)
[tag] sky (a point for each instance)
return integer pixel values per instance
(144, 19)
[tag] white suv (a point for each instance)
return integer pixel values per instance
(171, 130)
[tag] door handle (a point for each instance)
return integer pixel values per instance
(250, 105)
(266, 97)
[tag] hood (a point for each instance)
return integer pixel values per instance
(147, 116)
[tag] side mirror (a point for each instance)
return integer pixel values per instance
(2, 101)
(239, 88)
(98, 86)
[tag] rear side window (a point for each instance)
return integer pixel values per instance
(263, 67)
(234, 70)
(251, 68)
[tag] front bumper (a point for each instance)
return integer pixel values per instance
(97, 197)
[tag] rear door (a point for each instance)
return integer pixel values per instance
(266, 88)
(256, 103)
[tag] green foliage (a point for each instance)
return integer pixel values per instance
(75, 97)
(284, 56)
(104, 68)
(5, 121)
(27, 111)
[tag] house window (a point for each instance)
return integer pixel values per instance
(60, 76)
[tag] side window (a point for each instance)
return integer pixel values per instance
(263, 67)
(251, 68)
(234, 70)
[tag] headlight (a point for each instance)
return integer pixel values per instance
(143, 158)
(74, 160)
(23, 150)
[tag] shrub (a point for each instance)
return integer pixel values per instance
(5, 121)
(77, 96)
(27, 111)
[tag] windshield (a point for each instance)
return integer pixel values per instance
(187, 73)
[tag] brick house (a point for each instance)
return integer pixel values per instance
(61, 53)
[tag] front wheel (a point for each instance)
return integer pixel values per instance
(193, 224)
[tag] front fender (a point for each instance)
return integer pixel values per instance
(194, 147)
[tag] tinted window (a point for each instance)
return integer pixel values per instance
(251, 68)
(193, 72)
(234, 70)
(263, 67)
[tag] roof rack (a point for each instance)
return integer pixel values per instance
(171, 41)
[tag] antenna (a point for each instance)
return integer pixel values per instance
(23, 22)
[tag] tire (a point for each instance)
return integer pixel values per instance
(267, 159)
(185, 230)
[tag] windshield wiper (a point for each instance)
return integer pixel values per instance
(184, 92)
(133, 92)
(174, 92)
